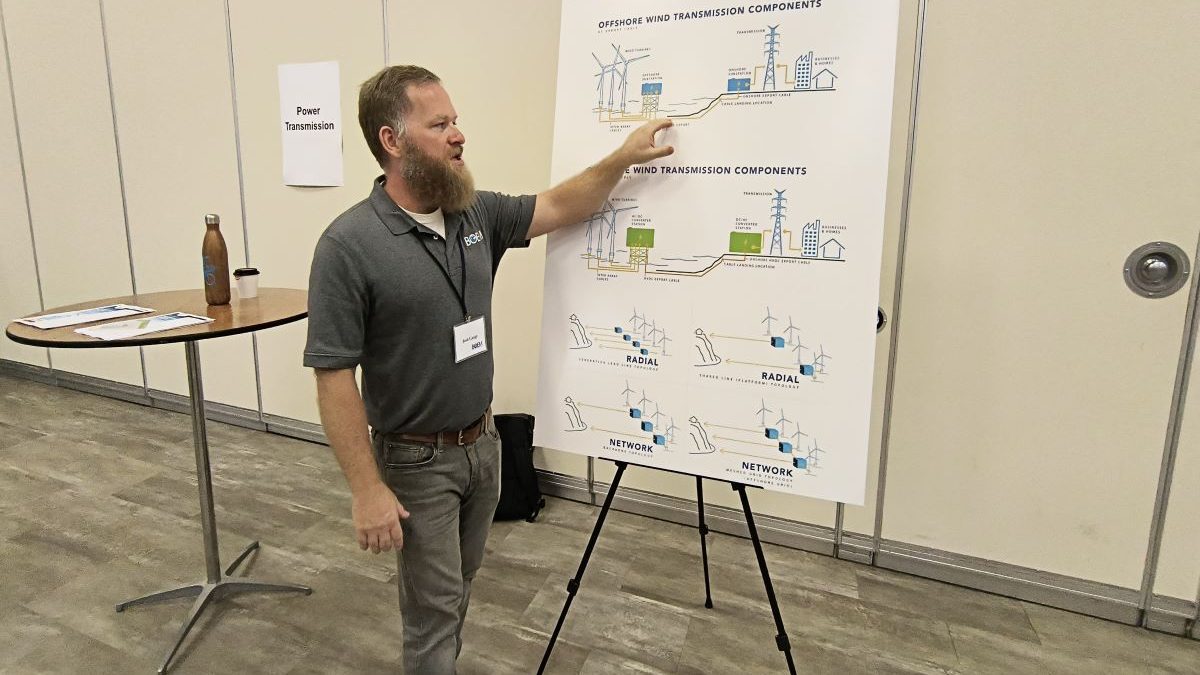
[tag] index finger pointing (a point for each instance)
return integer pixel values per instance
(659, 125)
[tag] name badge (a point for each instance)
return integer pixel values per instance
(470, 339)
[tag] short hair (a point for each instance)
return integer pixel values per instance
(383, 102)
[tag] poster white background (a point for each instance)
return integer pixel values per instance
(310, 113)
(718, 316)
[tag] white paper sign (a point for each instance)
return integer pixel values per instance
(717, 316)
(61, 319)
(310, 110)
(122, 330)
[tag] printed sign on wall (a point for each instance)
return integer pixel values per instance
(310, 110)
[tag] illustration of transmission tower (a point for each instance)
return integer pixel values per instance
(777, 209)
(771, 49)
(604, 222)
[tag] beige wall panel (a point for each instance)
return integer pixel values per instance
(18, 276)
(61, 90)
(1033, 388)
(1179, 560)
(285, 222)
(170, 72)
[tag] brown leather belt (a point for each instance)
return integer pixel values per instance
(461, 437)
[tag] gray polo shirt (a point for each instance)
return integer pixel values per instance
(385, 293)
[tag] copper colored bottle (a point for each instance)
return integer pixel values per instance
(216, 262)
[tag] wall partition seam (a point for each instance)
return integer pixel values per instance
(387, 57)
(1194, 630)
(1166, 472)
(241, 177)
(12, 98)
(839, 524)
(112, 104)
(897, 292)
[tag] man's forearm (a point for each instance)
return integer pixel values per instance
(583, 194)
(578, 197)
(345, 420)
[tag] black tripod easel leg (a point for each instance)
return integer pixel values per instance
(781, 639)
(573, 584)
(703, 540)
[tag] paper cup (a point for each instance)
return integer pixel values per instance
(247, 282)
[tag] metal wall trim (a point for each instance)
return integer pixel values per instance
(304, 431)
(112, 104)
(898, 289)
(217, 412)
(1166, 473)
(1171, 615)
(27, 371)
(100, 387)
(1055, 590)
(12, 98)
(1104, 601)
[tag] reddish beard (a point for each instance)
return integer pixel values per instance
(437, 182)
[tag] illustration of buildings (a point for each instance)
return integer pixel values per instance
(824, 79)
(832, 250)
(804, 66)
(809, 239)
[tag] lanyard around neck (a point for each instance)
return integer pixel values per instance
(459, 291)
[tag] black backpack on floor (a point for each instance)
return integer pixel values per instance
(520, 496)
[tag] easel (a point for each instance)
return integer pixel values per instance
(781, 638)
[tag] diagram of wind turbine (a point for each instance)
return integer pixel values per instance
(819, 359)
(791, 331)
(642, 403)
(671, 429)
(816, 452)
(663, 341)
(782, 422)
(627, 392)
(762, 412)
(768, 321)
(804, 368)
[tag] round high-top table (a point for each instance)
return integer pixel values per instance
(272, 307)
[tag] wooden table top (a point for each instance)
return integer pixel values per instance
(272, 307)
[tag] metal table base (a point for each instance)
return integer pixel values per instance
(218, 585)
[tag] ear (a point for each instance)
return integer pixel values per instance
(390, 142)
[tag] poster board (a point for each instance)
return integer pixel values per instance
(717, 316)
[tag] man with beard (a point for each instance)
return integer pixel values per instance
(401, 285)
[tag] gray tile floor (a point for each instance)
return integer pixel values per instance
(98, 504)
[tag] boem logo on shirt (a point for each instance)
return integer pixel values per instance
(473, 238)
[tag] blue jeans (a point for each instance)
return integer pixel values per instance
(450, 492)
